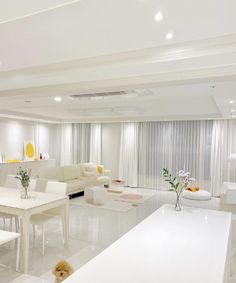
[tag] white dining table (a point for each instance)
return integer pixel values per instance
(38, 202)
(192, 245)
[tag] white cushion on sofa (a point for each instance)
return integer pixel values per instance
(103, 180)
(71, 172)
(89, 174)
(91, 168)
(87, 167)
(199, 195)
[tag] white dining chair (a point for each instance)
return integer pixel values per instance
(6, 237)
(32, 184)
(42, 218)
(14, 183)
(58, 188)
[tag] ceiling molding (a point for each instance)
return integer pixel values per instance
(218, 73)
(211, 59)
(193, 49)
(41, 11)
(27, 117)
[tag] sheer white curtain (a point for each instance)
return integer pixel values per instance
(176, 145)
(71, 143)
(128, 164)
(66, 144)
(37, 139)
(81, 143)
(223, 144)
(96, 143)
(42, 133)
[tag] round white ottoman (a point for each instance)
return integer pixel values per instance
(199, 195)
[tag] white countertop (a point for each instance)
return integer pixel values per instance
(167, 247)
(27, 161)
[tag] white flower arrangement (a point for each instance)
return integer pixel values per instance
(178, 183)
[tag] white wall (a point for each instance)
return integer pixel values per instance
(13, 133)
(111, 147)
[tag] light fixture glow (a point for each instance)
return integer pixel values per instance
(57, 99)
(158, 17)
(231, 101)
(169, 35)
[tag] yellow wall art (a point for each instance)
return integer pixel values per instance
(29, 150)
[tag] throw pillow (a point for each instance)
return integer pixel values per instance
(89, 174)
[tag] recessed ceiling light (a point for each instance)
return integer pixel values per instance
(28, 101)
(231, 101)
(232, 111)
(169, 35)
(57, 98)
(158, 17)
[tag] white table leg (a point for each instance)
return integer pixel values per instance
(25, 240)
(18, 254)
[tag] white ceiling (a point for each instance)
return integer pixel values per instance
(56, 47)
(89, 28)
(194, 101)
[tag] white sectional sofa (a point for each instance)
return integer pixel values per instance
(77, 177)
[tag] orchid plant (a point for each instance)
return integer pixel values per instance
(178, 183)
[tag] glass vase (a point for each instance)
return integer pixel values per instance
(178, 203)
(24, 194)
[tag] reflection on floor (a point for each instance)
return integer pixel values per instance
(92, 229)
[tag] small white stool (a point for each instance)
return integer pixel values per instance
(96, 195)
(6, 237)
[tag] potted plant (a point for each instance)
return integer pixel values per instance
(24, 176)
(178, 184)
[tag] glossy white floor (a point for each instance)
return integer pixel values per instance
(91, 231)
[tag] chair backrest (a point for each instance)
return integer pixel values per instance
(12, 182)
(32, 185)
(58, 188)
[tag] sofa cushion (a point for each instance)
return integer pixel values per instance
(74, 186)
(86, 167)
(103, 180)
(91, 168)
(55, 174)
(71, 172)
(89, 174)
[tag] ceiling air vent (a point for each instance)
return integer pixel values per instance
(98, 94)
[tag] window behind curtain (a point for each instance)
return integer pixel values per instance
(176, 145)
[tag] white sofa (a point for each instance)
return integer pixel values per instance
(74, 176)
